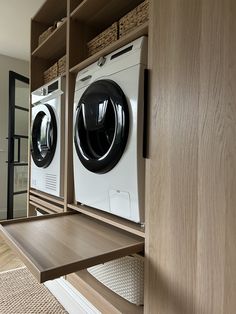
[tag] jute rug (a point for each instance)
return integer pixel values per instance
(20, 293)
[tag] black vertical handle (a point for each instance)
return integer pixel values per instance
(145, 114)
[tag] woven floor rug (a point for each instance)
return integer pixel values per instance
(20, 293)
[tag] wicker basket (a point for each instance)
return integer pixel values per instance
(102, 40)
(124, 276)
(45, 34)
(134, 18)
(62, 66)
(50, 73)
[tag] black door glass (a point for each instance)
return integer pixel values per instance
(97, 141)
(44, 137)
(101, 126)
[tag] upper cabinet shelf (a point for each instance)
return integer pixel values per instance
(54, 46)
(138, 32)
(102, 13)
(51, 12)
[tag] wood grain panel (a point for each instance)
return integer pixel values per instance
(216, 273)
(191, 220)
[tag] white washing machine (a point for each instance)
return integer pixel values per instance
(109, 168)
(47, 138)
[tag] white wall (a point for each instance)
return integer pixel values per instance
(22, 67)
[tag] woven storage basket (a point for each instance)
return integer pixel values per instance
(124, 276)
(62, 65)
(50, 73)
(45, 34)
(134, 18)
(102, 40)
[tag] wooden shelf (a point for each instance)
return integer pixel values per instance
(55, 245)
(51, 12)
(49, 205)
(54, 46)
(110, 219)
(100, 296)
(36, 205)
(138, 32)
(102, 12)
(48, 197)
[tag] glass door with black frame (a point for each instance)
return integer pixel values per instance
(17, 146)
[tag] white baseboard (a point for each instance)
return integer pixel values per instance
(73, 301)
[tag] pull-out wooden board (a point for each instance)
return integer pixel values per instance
(55, 245)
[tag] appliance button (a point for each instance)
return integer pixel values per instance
(43, 91)
(101, 61)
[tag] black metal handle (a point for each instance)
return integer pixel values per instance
(145, 115)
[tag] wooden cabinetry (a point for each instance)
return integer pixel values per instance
(190, 231)
(76, 227)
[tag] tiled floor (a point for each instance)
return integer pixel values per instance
(8, 259)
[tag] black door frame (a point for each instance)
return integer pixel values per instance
(13, 76)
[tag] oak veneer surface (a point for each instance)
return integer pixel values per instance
(52, 246)
(191, 216)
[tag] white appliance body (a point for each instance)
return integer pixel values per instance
(47, 138)
(119, 191)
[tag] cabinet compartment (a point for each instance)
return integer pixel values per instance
(54, 46)
(92, 18)
(46, 17)
(85, 19)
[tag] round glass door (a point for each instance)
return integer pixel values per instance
(44, 137)
(101, 126)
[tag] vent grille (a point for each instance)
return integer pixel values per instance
(51, 182)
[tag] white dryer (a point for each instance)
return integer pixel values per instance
(47, 138)
(109, 168)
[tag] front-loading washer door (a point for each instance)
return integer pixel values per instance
(43, 136)
(101, 126)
